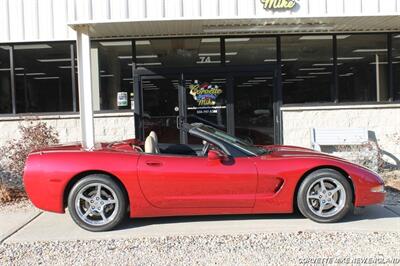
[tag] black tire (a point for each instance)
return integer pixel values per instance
(310, 180)
(119, 195)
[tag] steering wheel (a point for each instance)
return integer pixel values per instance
(205, 148)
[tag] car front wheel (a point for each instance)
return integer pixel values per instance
(325, 196)
(97, 203)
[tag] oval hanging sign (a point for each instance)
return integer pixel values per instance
(278, 4)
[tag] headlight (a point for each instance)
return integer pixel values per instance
(380, 188)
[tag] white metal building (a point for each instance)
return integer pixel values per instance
(277, 68)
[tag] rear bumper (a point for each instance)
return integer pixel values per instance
(45, 192)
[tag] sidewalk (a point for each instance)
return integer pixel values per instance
(51, 227)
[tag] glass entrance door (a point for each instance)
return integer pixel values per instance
(160, 107)
(239, 103)
(253, 98)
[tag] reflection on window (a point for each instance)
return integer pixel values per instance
(43, 77)
(178, 52)
(112, 74)
(396, 65)
(254, 108)
(250, 51)
(160, 103)
(307, 68)
(362, 67)
(5, 80)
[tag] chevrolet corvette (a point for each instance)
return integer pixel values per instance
(221, 175)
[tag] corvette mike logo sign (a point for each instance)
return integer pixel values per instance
(204, 94)
(278, 4)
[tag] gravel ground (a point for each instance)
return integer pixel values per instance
(254, 249)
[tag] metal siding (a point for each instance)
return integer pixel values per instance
(117, 9)
(16, 20)
(154, 9)
(246, 8)
(81, 8)
(228, 8)
(388, 6)
(353, 7)
(191, 8)
(60, 18)
(31, 19)
(137, 9)
(370, 6)
(100, 10)
(335, 7)
(4, 21)
(209, 8)
(46, 20)
(173, 8)
(317, 7)
(302, 9)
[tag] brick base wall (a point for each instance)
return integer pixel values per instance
(382, 122)
(108, 127)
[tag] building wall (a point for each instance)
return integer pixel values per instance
(46, 20)
(382, 122)
(108, 127)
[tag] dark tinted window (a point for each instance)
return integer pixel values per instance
(396, 65)
(5, 80)
(250, 51)
(43, 77)
(307, 68)
(178, 52)
(362, 67)
(112, 74)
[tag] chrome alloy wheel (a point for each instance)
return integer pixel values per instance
(326, 197)
(96, 204)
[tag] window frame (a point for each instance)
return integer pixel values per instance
(278, 86)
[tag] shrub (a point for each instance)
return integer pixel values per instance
(367, 154)
(33, 136)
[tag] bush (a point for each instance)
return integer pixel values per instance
(367, 154)
(33, 136)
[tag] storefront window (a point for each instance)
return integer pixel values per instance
(111, 74)
(362, 67)
(179, 52)
(43, 77)
(5, 80)
(160, 107)
(396, 65)
(250, 51)
(254, 120)
(307, 68)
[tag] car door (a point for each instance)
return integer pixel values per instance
(172, 181)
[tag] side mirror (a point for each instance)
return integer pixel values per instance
(213, 155)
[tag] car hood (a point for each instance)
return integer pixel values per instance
(294, 151)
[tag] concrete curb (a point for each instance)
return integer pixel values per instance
(13, 231)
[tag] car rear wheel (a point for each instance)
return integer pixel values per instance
(97, 203)
(325, 196)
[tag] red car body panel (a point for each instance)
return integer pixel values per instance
(170, 185)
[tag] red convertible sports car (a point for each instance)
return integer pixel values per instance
(225, 175)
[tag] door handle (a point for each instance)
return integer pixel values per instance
(153, 163)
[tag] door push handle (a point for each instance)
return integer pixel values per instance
(151, 163)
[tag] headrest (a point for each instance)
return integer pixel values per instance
(149, 145)
(154, 136)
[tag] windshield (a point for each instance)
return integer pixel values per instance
(235, 141)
